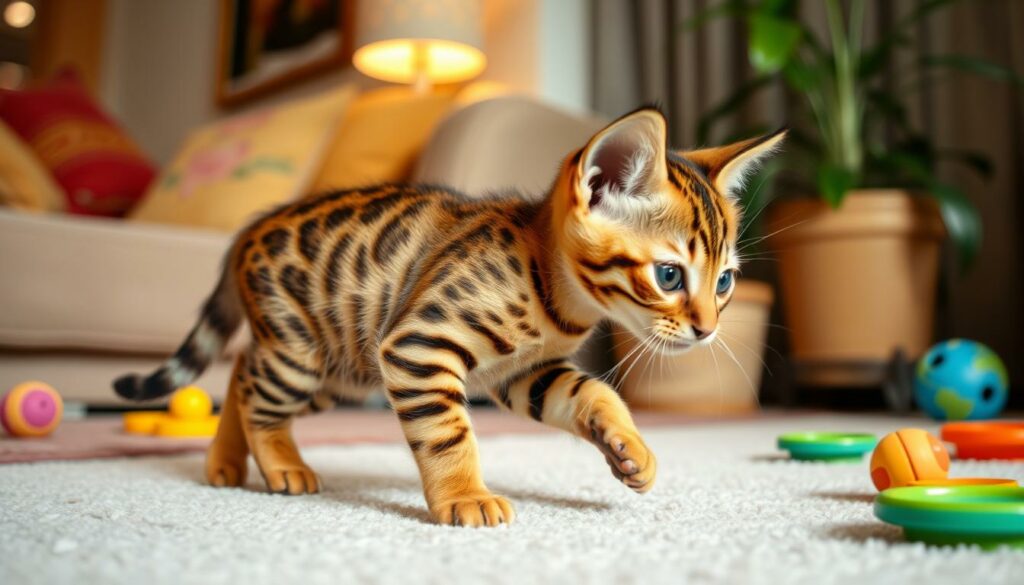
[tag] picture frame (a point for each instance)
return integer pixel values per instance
(267, 45)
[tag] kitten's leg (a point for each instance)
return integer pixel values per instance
(227, 454)
(426, 387)
(280, 385)
(556, 393)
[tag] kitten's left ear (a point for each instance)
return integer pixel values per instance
(728, 166)
(625, 160)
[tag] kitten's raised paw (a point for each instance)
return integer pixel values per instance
(293, 481)
(483, 509)
(630, 460)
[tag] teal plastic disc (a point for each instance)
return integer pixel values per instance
(988, 516)
(834, 447)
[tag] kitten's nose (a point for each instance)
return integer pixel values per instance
(701, 333)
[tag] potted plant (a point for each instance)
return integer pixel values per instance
(859, 259)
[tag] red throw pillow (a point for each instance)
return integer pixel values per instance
(99, 167)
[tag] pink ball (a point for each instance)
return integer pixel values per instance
(31, 409)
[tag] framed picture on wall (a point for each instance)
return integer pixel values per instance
(266, 45)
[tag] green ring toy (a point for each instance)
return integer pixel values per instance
(834, 447)
(988, 516)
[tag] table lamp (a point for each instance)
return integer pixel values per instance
(422, 42)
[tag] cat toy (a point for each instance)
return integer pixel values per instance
(833, 447)
(961, 380)
(910, 469)
(190, 415)
(31, 409)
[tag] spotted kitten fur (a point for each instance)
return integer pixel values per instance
(433, 295)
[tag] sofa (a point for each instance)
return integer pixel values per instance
(87, 299)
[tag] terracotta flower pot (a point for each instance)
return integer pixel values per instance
(703, 381)
(858, 283)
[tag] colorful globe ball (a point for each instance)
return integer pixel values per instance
(961, 380)
(31, 409)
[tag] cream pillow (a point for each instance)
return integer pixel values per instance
(380, 137)
(24, 181)
(229, 171)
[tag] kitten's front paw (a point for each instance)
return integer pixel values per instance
(225, 469)
(225, 473)
(292, 481)
(631, 461)
(480, 509)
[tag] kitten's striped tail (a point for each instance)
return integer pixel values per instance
(220, 318)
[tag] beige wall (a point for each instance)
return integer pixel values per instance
(159, 66)
(159, 71)
(69, 32)
(541, 47)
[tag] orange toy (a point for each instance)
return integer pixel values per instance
(31, 409)
(908, 456)
(190, 416)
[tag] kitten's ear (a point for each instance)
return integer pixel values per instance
(626, 159)
(728, 166)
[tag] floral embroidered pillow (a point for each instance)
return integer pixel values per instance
(232, 170)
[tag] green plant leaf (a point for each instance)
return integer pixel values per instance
(963, 224)
(833, 182)
(803, 77)
(975, 65)
(772, 41)
(775, 6)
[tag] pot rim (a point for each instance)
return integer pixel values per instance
(864, 213)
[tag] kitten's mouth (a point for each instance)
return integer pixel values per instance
(677, 346)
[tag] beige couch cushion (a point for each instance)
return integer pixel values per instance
(506, 143)
(100, 284)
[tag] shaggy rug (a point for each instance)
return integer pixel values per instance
(98, 437)
(727, 508)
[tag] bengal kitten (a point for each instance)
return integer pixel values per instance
(432, 294)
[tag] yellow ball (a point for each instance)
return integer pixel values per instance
(191, 402)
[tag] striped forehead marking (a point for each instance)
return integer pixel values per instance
(706, 206)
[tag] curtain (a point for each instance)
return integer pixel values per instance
(641, 54)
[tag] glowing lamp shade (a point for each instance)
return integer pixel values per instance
(419, 41)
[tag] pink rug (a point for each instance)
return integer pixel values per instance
(101, 436)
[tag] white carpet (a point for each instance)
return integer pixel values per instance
(725, 510)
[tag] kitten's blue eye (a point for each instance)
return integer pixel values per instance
(669, 276)
(724, 282)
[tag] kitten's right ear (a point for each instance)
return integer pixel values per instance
(623, 161)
